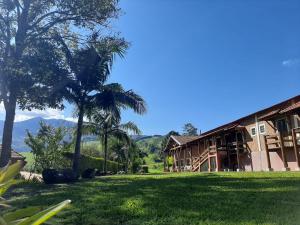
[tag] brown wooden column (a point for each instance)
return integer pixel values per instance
(175, 163)
(184, 153)
(282, 149)
(209, 169)
(296, 148)
(191, 155)
(228, 158)
(267, 154)
(237, 151)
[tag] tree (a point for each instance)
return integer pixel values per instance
(165, 140)
(128, 154)
(107, 124)
(25, 26)
(48, 147)
(87, 86)
(189, 130)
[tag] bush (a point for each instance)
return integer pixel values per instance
(88, 162)
(88, 173)
(52, 176)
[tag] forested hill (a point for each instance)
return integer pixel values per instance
(149, 143)
(152, 146)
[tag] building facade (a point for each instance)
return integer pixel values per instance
(267, 140)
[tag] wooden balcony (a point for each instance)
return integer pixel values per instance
(282, 142)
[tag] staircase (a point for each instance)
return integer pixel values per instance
(198, 161)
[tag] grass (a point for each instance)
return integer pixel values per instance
(187, 198)
(29, 160)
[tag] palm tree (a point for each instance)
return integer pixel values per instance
(107, 124)
(86, 84)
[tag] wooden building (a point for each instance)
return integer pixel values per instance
(263, 141)
(15, 156)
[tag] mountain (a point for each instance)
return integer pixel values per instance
(32, 125)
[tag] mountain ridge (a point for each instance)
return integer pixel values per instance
(32, 125)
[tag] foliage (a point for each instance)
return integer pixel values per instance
(151, 146)
(107, 124)
(92, 148)
(47, 147)
(29, 47)
(87, 88)
(189, 130)
(166, 139)
(28, 216)
(201, 198)
(88, 162)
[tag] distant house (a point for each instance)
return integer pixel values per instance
(15, 156)
(262, 141)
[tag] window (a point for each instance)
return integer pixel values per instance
(282, 125)
(253, 131)
(262, 129)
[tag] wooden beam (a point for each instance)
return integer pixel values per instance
(185, 157)
(282, 149)
(267, 153)
(209, 166)
(237, 151)
(295, 147)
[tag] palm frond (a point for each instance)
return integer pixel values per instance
(130, 127)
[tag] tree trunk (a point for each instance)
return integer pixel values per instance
(76, 157)
(10, 111)
(105, 152)
(127, 161)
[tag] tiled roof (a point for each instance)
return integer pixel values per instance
(181, 140)
(290, 108)
(279, 108)
(14, 154)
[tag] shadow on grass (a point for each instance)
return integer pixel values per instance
(171, 199)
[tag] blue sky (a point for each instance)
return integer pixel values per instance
(207, 62)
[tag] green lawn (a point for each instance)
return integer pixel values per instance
(29, 160)
(190, 198)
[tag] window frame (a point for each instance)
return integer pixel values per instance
(262, 125)
(251, 129)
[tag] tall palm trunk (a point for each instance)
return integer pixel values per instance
(78, 141)
(105, 150)
(10, 111)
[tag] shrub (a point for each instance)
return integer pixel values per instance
(88, 162)
(52, 176)
(88, 173)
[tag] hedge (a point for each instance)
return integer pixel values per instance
(88, 162)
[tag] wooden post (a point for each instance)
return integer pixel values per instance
(175, 162)
(185, 156)
(237, 151)
(217, 162)
(209, 169)
(228, 157)
(191, 154)
(198, 147)
(267, 154)
(282, 151)
(295, 148)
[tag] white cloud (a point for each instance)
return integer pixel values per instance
(291, 62)
(46, 114)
